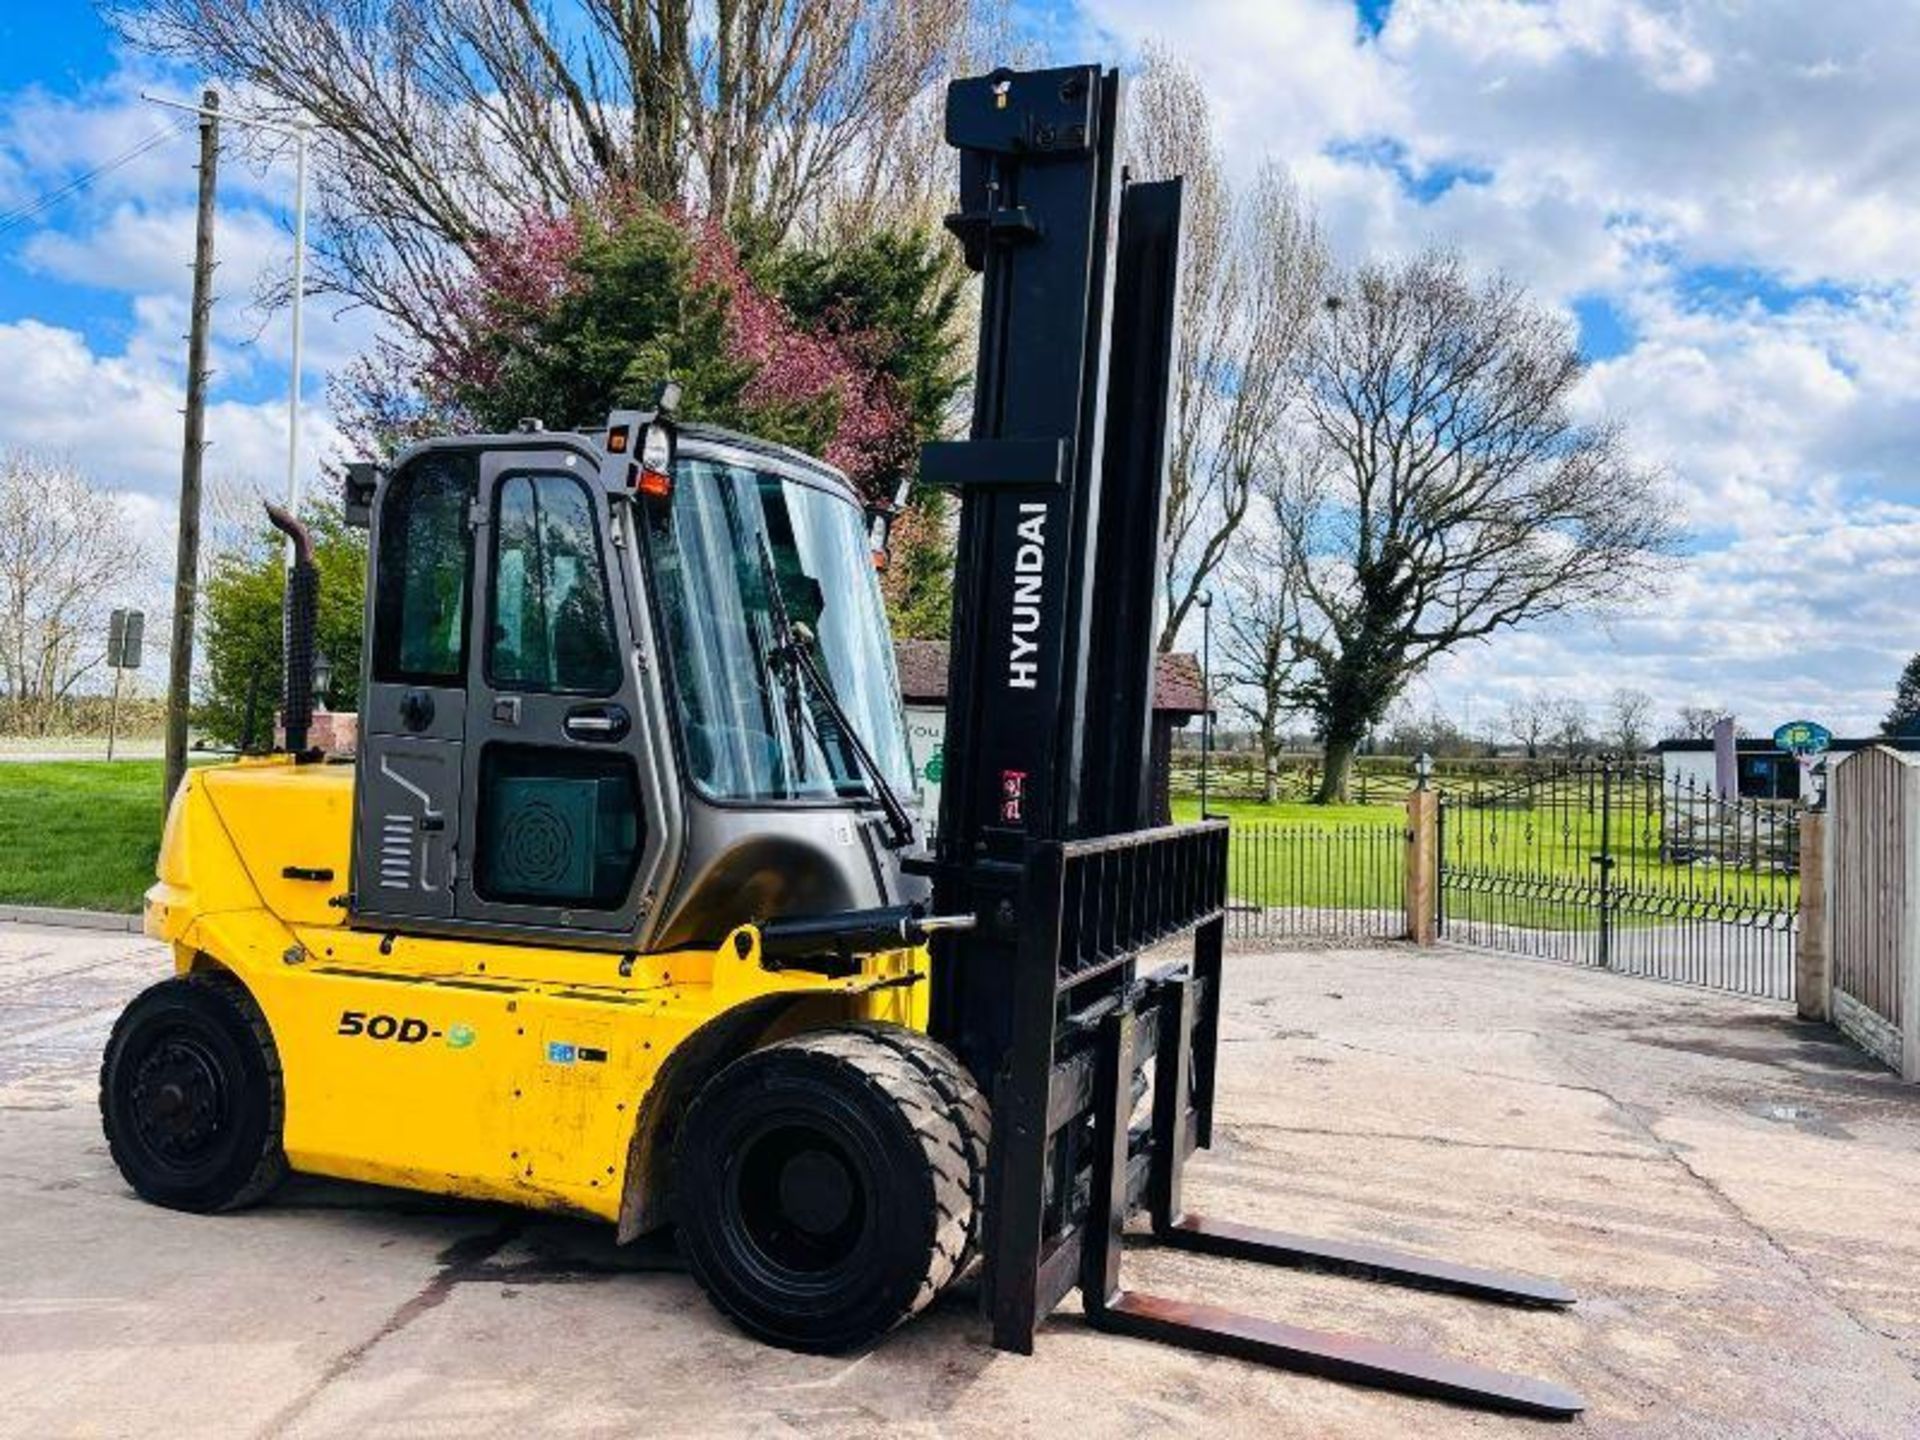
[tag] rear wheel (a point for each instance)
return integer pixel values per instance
(821, 1191)
(190, 1096)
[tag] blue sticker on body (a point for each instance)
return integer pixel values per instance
(559, 1052)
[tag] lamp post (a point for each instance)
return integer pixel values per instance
(322, 678)
(1206, 695)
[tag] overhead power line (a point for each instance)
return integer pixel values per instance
(15, 218)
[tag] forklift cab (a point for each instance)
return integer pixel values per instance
(579, 717)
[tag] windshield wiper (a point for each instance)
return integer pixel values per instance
(793, 657)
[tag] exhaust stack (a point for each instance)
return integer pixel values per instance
(301, 616)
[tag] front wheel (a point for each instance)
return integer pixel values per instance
(190, 1096)
(822, 1191)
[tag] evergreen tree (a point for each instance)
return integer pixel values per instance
(1904, 718)
(242, 600)
(849, 355)
(894, 298)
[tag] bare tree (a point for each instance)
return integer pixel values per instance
(1410, 732)
(1529, 721)
(1572, 733)
(443, 121)
(66, 549)
(1696, 722)
(900, 171)
(1446, 491)
(1257, 657)
(1629, 721)
(1254, 264)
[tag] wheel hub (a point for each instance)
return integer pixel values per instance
(816, 1192)
(179, 1099)
(798, 1200)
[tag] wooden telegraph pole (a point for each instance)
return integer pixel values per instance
(186, 572)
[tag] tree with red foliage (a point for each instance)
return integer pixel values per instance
(571, 316)
(849, 356)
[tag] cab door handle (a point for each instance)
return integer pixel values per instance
(599, 724)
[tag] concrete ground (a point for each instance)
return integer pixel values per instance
(1732, 1193)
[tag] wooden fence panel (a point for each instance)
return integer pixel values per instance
(1874, 811)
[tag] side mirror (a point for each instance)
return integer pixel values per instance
(880, 517)
(356, 493)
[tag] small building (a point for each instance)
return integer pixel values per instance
(1764, 770)
(1179, 694)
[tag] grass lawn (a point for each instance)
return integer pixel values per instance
(1323, 857)
(81, 833)
(1326, 817)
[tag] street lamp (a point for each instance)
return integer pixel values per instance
(1206, 695)
(322, 678)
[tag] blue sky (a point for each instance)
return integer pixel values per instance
(57, 43)
(62, 47)
(1724, 200)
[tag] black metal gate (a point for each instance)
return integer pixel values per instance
(1303, 880)
(1618, 867)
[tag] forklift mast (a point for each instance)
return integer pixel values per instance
(1061, 487)
(1050, 1000)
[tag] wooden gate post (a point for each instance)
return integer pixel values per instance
(1812, 974)
(1423, 809)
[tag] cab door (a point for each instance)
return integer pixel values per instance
(553, 827)
(413, 713)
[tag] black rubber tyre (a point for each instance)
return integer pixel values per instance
(968, 1109)
(821, 1191)
(191, 1097)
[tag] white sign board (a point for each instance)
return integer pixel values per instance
(926, 744)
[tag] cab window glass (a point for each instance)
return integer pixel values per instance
(420, 607)
(730, 538)
(552, 622)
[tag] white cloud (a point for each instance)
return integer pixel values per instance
(48, 139)
(111, 396)
(145, 250)
(1809, 622)
(120, 420)
(141, 247)
(1772, 421)
(1283, 74)
(1777, 133)
(1667, 156)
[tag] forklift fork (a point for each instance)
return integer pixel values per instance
(1099, 903)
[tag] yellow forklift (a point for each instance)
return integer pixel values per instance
(621, 909)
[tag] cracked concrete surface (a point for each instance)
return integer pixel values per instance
(1731, 1193)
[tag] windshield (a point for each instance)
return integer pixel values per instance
(753, 729)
